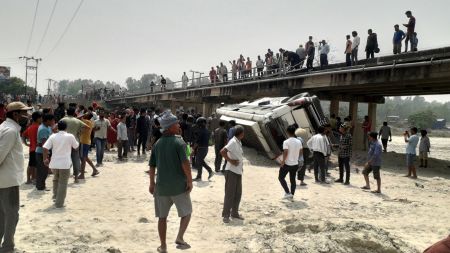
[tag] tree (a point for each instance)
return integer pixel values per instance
(14, 86)
(422, 120)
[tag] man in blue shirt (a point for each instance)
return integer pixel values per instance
(411, 146)
(44, 131)
(373, 162)
(399, 36)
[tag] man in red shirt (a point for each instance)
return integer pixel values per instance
(31, 134)
(2, 113)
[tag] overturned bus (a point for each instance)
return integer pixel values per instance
(265, 120)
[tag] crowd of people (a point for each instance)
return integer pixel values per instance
(60, 139)
(285, 60)
(303, 57)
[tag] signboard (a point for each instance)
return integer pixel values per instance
(4, 72)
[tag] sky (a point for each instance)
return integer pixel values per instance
(111, 40)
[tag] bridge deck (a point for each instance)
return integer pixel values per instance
(415, 73)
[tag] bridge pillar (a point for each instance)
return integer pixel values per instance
(357, 131)
(334, 107)
(372, 113)
(207, 109)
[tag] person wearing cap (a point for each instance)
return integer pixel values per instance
(410, 35)
(373, 162)
(173, 182)
(62, 143)
(11, 172)
(344, 154)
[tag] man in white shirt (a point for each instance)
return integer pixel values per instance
(184, 80)
(233, 154)
(61, 145)
(11, 173)
(292, 149)
(320, 146)
(302, 54)
(324, 49)
(355, 45)
(259, 66)
(101, 127)
(224, 72)
(122, 139)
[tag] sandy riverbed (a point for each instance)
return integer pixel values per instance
(116, 211)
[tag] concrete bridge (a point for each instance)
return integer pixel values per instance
(416, 73)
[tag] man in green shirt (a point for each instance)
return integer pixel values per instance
(74, 126)
(173, 182)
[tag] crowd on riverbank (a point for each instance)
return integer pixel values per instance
(60, 139)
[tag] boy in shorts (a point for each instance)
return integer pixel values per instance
(373, 162)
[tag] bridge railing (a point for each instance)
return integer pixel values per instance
(230, 78)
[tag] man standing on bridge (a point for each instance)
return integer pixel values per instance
(355, 45)
(348, 55)
(324, 49)
(184, 80)
(310, 51)
(410, 31)
(399, 36)
(372, 44)
(163, 83)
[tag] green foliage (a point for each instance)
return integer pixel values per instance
(143, 84)
(422, 120)
(75, 87)
(403, 108)
(14, 86)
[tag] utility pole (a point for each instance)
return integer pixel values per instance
(26, 72)
(49, 85)
(36, 81)
(35, 68)
(196, 72)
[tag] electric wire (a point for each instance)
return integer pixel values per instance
(66, 29)
(32, 28)
(46, 28)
